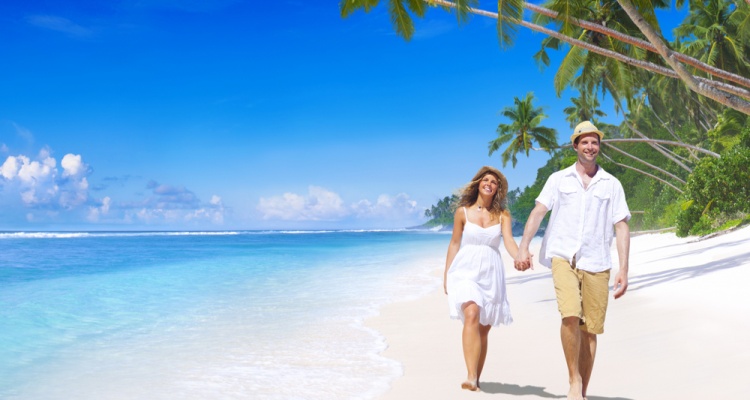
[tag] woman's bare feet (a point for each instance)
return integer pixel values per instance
(470, 385)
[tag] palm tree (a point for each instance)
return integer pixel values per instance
(523, 130)
(710, 35)
(585, 108)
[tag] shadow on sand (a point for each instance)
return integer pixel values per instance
(676, 274)
(643, 281)
(516, 390)
(508, 388)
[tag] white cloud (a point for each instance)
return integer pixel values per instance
(95, 212)
(34, 173)
(38, 182)
(72, 165)
(319, 204)
(216, 216)
(10, 168)
(168, 204)
(387, 207)
(105, 205)
(48, 191)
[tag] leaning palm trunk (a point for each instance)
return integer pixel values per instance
(669, 142)
(652, 166)
(652, 176)
(723, 93)
(658, 148)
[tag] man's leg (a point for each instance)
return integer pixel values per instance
(472, 344)
(570, 334)
(595, 295)
(586, 358)
(568, 292)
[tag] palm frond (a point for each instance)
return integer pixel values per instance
(418, 7)
(541, 57)
(569, 67)
(462, 9)
(401, 19)
(350, 6)
(509, 12)
(501, 139)
(740, 20)
(567, 10)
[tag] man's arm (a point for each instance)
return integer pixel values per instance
(523, 258)
(622, 234)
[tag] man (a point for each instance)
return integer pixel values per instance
(586, 202)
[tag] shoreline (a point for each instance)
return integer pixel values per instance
(679, 332)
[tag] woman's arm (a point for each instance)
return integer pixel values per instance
(506, 222)
(459, 219)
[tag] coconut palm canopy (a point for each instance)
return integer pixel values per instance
(523, 131)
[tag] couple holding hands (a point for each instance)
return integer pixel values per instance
(588, 210)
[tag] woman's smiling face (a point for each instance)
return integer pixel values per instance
(488, 185)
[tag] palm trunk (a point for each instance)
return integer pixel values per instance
(675, 155)
(643, 172)
(669, 142)
(671, 175)
(658, 148)
(665, 126)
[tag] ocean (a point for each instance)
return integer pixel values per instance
(204, 315)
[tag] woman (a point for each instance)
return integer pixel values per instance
(474, 278)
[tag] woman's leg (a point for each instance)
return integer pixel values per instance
(484, 331)
(472, 344)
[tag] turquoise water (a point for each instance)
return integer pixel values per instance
(165, 315)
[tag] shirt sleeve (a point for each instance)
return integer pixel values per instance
(620, 210)
(548, 196)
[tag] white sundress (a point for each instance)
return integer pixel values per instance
(477, 274)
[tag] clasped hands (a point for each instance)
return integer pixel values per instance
(523, 260)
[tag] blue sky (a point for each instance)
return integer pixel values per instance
(229, 114)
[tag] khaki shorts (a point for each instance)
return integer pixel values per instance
(581, 294)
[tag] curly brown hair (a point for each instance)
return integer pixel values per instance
(470, 192)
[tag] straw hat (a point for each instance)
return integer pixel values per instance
(584, 128)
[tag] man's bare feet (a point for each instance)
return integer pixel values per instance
(470, 385)
(575, 391)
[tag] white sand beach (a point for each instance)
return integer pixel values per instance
(681, 332)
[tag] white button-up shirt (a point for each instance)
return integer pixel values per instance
(582, 221)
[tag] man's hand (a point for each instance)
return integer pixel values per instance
(621, 283)
(523, 260)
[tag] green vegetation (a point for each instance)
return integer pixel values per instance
(717, 193)
(441, 214)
